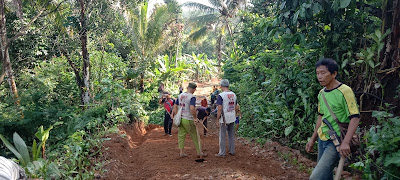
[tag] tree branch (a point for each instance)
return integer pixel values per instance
(58, 5)
(71, 63)
(22, 31)
(3, 73)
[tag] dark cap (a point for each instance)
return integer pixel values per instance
(192, 85)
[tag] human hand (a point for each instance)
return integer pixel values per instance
(345, 149)
(217, 124)
(310, 146)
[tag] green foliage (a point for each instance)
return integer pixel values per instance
(33, 165)
(273, 71)
(275, 95)
(383, 150)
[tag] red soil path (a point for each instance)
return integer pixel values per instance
(148, 154)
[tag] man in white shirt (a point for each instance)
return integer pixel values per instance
(187, 101)
(227, 103)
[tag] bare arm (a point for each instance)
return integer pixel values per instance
(237, 109)
(311, 142)
(174, 110)
(219, 113)
(345, 146)
(193, 111)
(315, 134)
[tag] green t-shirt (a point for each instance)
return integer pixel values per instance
(342, 102)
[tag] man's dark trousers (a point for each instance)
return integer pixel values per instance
(167, 123)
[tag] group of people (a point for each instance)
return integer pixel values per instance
(337, 109)
(227, 110)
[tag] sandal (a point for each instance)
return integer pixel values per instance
(182, 155)
(204, 155)
(219, 155)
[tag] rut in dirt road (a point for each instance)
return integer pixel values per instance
(152, 155)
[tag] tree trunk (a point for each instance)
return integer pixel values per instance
(5, 56)
(142, 82)
(177, 53)
(85, 55)
(391, 19)
(233, 39)
(396, 34)
(219, 50)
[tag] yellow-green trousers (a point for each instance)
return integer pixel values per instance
(187, 127)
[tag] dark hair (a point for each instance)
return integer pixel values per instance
(328, 63)
(208, 109)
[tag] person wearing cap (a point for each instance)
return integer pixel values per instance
(187, 101)
(226, 115)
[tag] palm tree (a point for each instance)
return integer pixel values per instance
(217, 16)
(147, 35)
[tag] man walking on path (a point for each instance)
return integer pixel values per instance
(226, 117)
(187, 101)
(168, 103)
(335, 99)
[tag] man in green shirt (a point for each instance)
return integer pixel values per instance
(341, 100)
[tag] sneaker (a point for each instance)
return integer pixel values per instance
(219, 155)
(232, 154)
(170, 134)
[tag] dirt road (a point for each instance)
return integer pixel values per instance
(149, 154)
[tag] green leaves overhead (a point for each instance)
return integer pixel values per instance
(201, 7)
(203, 19)
(197, 35)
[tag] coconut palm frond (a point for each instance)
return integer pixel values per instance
(197, 35)
(158, 19)
(143, 19)
(234, 5)
(215, 3)
(200, 7)
(204, 19)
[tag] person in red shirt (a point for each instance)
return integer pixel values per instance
(204, 103)
(168, 103)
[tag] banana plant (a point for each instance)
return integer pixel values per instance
(43, 135)
(20, 150)
(164, 68)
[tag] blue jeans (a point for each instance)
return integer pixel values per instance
(328, 159)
